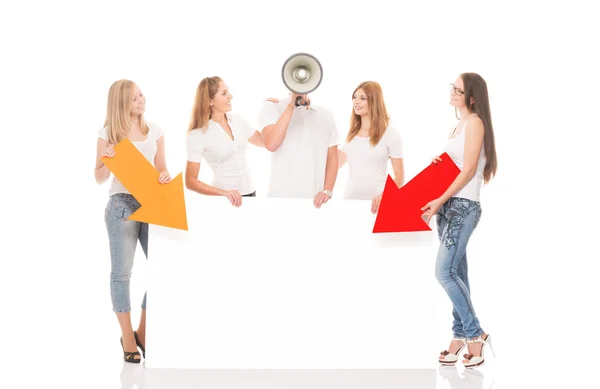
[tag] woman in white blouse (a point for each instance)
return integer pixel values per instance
(221, 138)
(370, 144)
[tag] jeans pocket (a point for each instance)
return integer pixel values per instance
(126, 211)
(119, 210)
(477, 215)
(116, 213)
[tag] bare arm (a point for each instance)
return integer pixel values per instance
(274, 134)
(342, 159)
(192, 183)
(101, 173)
(331, 168)
(160, 161)
(473, 142)
(398, 167)
(257, 139)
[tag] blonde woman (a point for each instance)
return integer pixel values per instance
(370, 144)
(125, 119)
(221, 138)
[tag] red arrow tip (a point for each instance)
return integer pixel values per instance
(400, 209)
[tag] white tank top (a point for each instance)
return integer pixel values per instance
(148, 148)
(455, 147)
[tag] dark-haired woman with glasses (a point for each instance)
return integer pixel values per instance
(471, 146)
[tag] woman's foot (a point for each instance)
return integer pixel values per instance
(129, 345)
(140, 340)
(450, 356)
(475, 356)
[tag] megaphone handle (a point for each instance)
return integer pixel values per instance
(298, 99)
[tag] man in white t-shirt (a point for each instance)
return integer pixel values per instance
(304, 144)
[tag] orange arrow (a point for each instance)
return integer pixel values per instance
(162, 204)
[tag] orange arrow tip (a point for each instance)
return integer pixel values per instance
(166, 208)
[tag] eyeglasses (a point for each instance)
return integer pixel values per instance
(459, 92)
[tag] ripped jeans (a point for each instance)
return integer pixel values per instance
(456, 221)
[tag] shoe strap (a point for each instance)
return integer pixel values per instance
(478, 340)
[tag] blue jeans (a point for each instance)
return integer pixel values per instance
(123, 236)
(456, 221)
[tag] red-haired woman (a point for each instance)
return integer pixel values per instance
(371, 143)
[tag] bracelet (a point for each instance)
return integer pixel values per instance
(327, 192)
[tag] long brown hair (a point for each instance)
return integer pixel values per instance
(118, 111)
(201, 112)
(377, 113)
(476, 88)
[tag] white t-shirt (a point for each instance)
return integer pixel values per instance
(147, 147)
(455, 147)
(298, 165)
(226, 157)
(368, 165)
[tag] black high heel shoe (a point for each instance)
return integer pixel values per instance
(129, 356)
(139, 344)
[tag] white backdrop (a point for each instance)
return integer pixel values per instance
(532, 260)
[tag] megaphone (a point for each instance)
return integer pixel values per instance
(301, 73)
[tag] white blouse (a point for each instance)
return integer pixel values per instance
(226, 157)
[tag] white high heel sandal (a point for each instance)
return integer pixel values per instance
(450, 359)
(478, 361)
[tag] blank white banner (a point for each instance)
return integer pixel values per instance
(278, 284)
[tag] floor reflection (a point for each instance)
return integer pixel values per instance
(133, 375)
(137, 376)
(468, 379)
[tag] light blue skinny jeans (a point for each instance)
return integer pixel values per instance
(123, 236)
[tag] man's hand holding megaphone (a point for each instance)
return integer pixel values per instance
(295, 99)
(300, 100)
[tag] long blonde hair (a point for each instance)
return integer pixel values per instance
(201, 112)
(377, 113)
(118, 111)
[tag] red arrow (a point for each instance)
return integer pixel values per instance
(400, 209)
